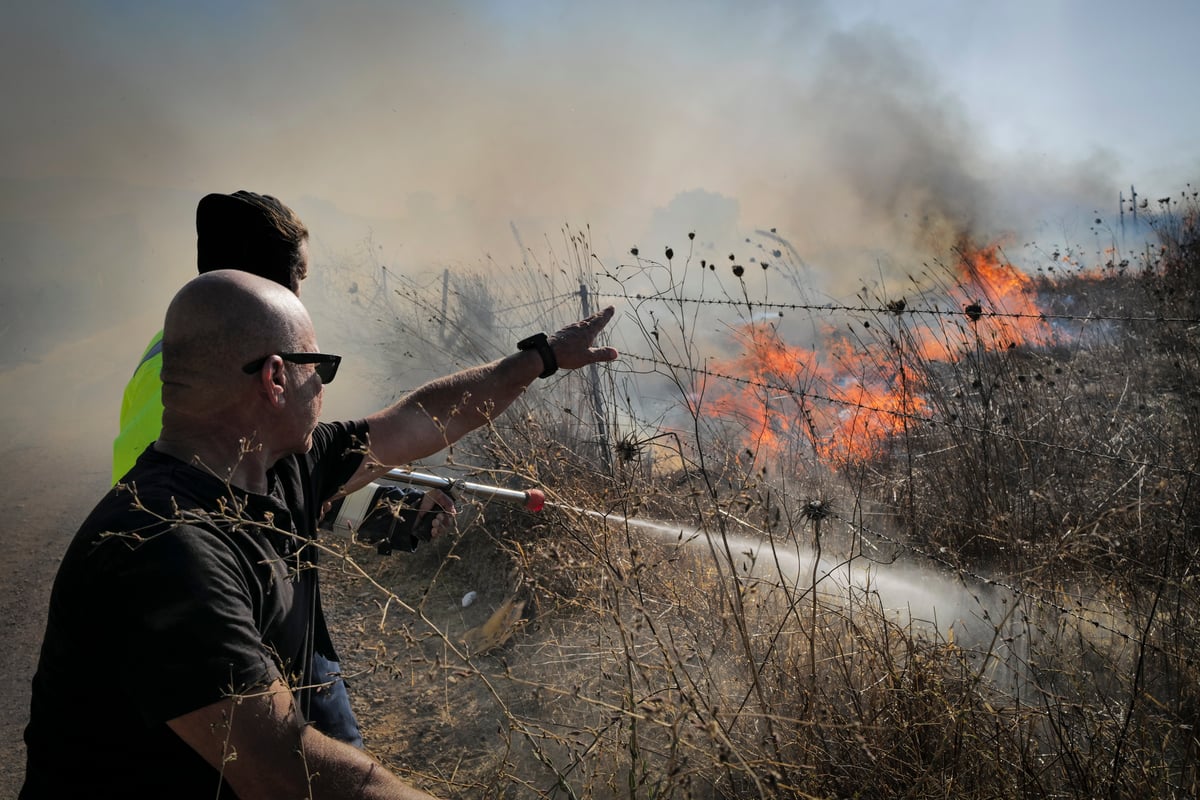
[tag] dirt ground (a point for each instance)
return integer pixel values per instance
(45, 495)
(57, 419)
(422, 712)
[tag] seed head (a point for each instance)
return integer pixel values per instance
(815, 510)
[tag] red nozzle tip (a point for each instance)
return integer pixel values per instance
(535, 499)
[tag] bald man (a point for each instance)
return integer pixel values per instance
(187, 608)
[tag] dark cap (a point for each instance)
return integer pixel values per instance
(251, 232)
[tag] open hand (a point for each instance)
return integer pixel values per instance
(573, 344)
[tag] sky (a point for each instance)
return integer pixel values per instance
(464, 134)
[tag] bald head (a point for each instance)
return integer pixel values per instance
(221, 320)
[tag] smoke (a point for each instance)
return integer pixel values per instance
(437, 130)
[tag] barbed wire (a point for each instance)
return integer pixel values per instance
(973, 315)
(428, 297)
(913, 417)
(553, 301)
(430, 303)
(430, 290)
(422, 296)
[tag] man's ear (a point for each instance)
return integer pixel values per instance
(273, 381)
(279, 382)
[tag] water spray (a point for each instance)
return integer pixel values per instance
(912, 595)
(926, 602)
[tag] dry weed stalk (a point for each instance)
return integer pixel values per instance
(655, 666)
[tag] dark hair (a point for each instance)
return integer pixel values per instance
(251, 232)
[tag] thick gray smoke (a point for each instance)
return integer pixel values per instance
(455, 135)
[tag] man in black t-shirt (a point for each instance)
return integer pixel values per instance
(219, 602)
(187, 608)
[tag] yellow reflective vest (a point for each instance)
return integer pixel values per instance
(141, 410)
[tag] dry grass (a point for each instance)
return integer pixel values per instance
(1047, 491)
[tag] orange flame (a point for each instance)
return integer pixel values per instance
(1002, 290)
(847, 400)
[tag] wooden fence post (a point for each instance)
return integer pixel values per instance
(597, 401)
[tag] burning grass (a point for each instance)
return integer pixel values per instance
(945, 548)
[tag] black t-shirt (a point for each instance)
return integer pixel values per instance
(168, 604)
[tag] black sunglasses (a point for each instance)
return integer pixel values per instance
(327, 365)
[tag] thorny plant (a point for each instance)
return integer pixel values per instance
(693, 625)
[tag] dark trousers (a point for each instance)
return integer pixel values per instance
(329, 706)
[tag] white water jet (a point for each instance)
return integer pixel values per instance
(925, 602)
(923, 599)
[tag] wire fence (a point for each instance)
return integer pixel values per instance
(424, 298)
(898, 309)
(555, 302)
(973, 314)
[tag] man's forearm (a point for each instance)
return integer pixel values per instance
(475, 396)
(442, 411)
(265, 749)
(341, 771)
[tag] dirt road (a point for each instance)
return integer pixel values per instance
(45, 494)
(57, 418)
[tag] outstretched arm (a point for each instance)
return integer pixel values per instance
(440, 412)
(264, 749)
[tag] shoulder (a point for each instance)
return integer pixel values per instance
(161, 494)
(144, 385)
(159, 481)
(339, 440)
(124, 555)
(151, 512)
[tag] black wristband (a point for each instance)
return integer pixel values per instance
(539, 342)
